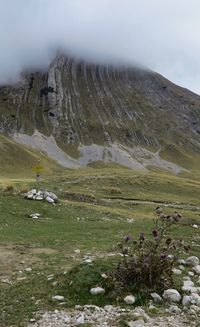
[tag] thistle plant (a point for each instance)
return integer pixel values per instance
(147, 262)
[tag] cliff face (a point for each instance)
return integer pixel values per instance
(84, 104)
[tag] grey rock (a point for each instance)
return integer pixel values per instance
(57, 298)
(97, 290)
(137, 323)
(174, 309)
(171, 295)
(192, 261)
(196, 269)
(130, 299)
(48, 199)
(156, 298)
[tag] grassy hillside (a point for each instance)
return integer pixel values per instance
(17, 161)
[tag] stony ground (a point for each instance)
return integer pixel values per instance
(110, 316)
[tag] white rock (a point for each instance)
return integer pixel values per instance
(80, 320)
(188, 283)
(53, 196)
(196, 269)
(45, 194)
(104, 276)
(48, 199)
(39, 198)
(195, 226)
(137, 323)
(33, 191)
(29, 196)
(181, 267)
(174, 309)
(28, 269)
(156, 298)
(97, 290)
(129, 299)
(177, 271)
(187, 299)
(190, 273)
(181, 262)
(57, 298)
(77, 251)
(192, 261)
(186, 278)
(87, 261)
(195, 308)
(171, 295)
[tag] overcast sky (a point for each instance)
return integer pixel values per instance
(160, 34)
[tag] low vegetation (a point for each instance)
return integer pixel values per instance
(88, 221)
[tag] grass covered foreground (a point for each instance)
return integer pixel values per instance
(96, 207)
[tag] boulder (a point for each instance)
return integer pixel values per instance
(130, 299)
(187, 299)
(176, 271)
(57, 298)
(137, 323)
(171, 295)
(97, 290)
(53, 196)
(156, 298)
(192, 261)
(196, 269)
(174, 309)
(48, 199)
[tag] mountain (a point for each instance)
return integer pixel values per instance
(80, 113)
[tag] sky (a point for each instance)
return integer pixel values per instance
(162, 35)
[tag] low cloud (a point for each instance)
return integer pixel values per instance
(162, 35)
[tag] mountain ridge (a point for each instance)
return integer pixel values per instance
(82, 104)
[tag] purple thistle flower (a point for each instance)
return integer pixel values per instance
(127, 238)
(155, 233)
(142, 237)
(163, 257)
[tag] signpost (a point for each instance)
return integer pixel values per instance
(38, 169)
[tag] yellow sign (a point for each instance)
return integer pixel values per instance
(38, 169)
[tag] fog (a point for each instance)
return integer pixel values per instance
(162, 35)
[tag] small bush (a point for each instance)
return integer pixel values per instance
(9, 189)
(147, 262)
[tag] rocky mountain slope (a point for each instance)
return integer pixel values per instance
(80, 113)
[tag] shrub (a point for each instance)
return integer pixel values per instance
(9, 189)
(147, 262)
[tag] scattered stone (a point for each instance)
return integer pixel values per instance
(54, 284)
(174, 309)
(77, 251)
(129, 299)
(171, 295)
(57, 298)
(104, 276)
(50, 200)
(192, 261)
(80, 320)
(156, 298)
(137, 323)
(196, 269)
(177, 271)
(190, 273)
(195, 226)
(87, 261)
(50, 197)
(34, 215)
(187, 299)
(97, 290)
(181, 262)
